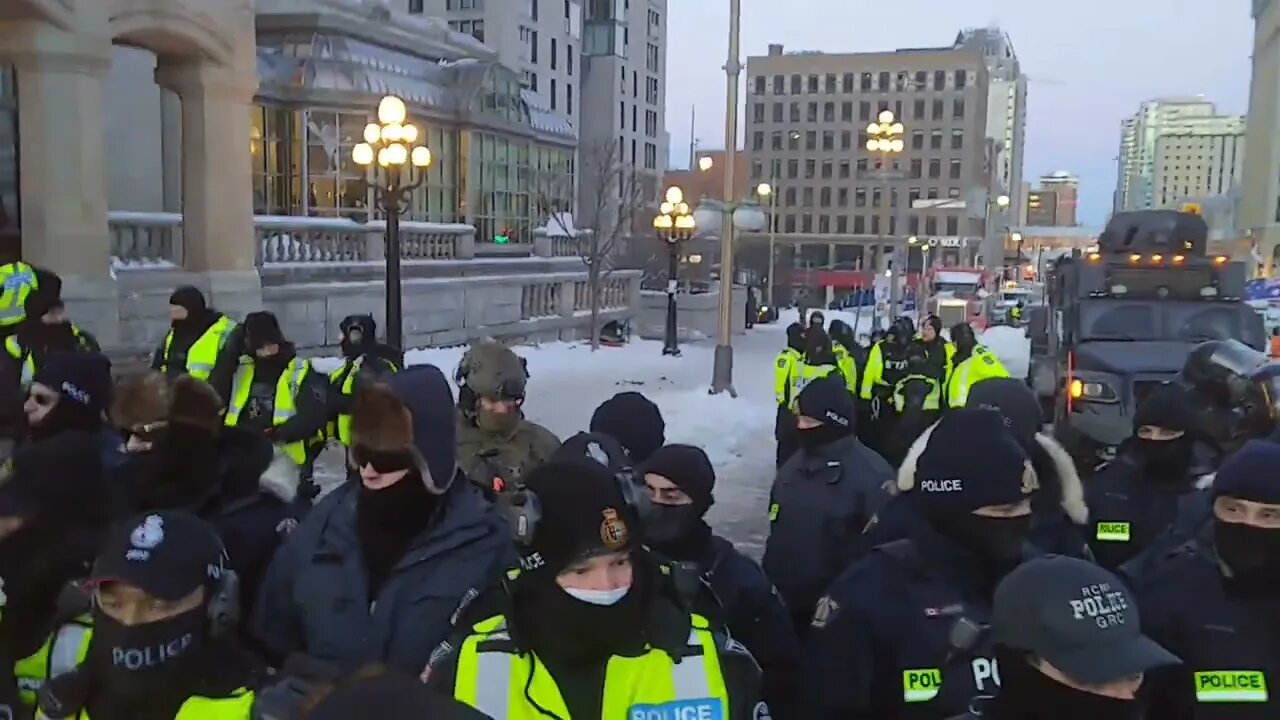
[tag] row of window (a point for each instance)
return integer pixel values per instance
(865, 224)
(883, 81)
(796, 141)
(782, 112)
(650, 154)
(917, 168)
(862, 196)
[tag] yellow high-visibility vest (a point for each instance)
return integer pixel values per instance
(203, 354)
(18, 280)
(284, 407)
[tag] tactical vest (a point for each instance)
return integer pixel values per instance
(202, 356)
(18, 279)
(62, 652)
(24, 357)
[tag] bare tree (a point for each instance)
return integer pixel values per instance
(611, 206)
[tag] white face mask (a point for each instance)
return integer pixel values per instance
(598, 597)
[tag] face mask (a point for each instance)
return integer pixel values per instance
(1165, 459)
(997, 541)
(497, 422)
(145, 658)
(1251, 553)
(669, 527)
(815, 438)
(602, 598)
(1026, 692)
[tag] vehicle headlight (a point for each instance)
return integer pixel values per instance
(1093, 391)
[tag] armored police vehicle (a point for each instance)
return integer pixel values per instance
(1123, 318)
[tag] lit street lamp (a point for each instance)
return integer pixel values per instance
(765, 190)
(398, 167)
(705, 163)
(722, 364)
(885, 138)
(674, 223)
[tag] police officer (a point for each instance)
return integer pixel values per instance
(1214, 601)
(44, 332)
(18, 281)
(364, 359)
(1015, 314)
(589, 630)
(816, 320)
(681, 481)
(274, 392)
(634, 421)
(822, 499)
(1069, 645)
(886, 365)
(916, 402)
(938, 352)
(971, 363)
(1151, 494)
(786, 369)
(164, 630)
(819, 361)
(496, 444)
(200, 339)
(842, 343)
(375, 572)
(897, 634)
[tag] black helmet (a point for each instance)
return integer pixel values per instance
(902, 330)
(841, 332)
(1219, 370)
(817, 348)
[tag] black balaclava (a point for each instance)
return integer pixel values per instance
(840, 332)
(963, 340)
(388, 520)
(1169, 407)
(83, 383)
(1028, 694)
(359, 335)
(1250, 553)
(633, 420)
(678, 531)
(816, 320)
(828, 401)
(795, 337)
(260, 330)
(199, 316)
(583, 513)
(817, 348)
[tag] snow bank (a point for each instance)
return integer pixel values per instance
(1011, 345)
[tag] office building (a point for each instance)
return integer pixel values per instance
(1042, 208)
(806, 130)
(1136, 165)
(1260, 194)
(1006, 106)
(698, 183)
(1065, 191)
(1197, 166)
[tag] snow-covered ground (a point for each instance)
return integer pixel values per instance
(568, 381)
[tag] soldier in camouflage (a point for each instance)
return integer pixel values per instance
(497, 446)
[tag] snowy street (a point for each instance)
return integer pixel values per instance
(567, 381)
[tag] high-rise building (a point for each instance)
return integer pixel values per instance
(1136, 183)
(1066, 193)
(1042, 208)
(1196, 166)
(807, 115)
(1006, 105)
(1260, 195)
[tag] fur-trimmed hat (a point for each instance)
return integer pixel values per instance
(141, 400)
(195, 403)
(380, 420)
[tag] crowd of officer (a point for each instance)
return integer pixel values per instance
(932, 554)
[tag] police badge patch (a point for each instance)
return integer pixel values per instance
(613, 531)
(827, 609)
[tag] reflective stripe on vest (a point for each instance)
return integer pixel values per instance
(202, 356)
(237, 706)
(501, 682)
(806, 374)
(19, 280)
(61, 653)
(932, 401)
(282, 409)
(341, 429)
(958, 394)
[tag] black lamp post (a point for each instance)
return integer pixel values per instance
(398, 167)
(674, 223)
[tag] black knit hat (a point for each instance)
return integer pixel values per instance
(966, 461)
(1168, 406)
(633, 420)
(689, 468)
(602, 448)
(190, 298)
(828, 401)
(582, 513)
(1250, 474)
(261, 329)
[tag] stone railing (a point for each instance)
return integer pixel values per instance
(559, 244)
(614, 289)
(145, 239)
(289, 239)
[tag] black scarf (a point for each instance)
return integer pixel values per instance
(1028, 694)
(387, 523)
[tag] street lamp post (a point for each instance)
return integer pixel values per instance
(674, 223)
(995, 231)
(398, 167)
(722, 367)
(885, 138)
(766, 190)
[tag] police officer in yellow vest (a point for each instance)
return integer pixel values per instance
(46, 330)
(17, 281)
(274, 391)
(846, 348)
(785, 371)
(819, 362)
(587, 628)
(972, 363)
(364, 360)
(164, 619)
(938, 351)
(917, 403)
(200, 340)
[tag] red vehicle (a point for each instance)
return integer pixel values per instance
(958, 295)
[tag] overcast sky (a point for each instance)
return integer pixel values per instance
(1090, 63)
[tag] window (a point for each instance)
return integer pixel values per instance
(790, 197)
(846, 140)
(957, 109)
(824, 223)
(864, 111)
(651, 55)
(915, 168)
(813, 112)
(875, 224)
(931, 193)
(651, 90)
(937, 109)
(955, 170)
(813, 84)
(842, 197)
(553, 93)
(860, 197)
(935, 169)
(810, 140)
(531, 80)
(806, 223)
(793, 169)
(931, 226)
(555, 54)
(939, 79)
(957, 139)
(824, 197)
(875, 197)
(865, 83)
(884, 82)
(760, 84)
(415, 7)
(776, 141)
(568, 100)
(913, 225)
(791, 223)
(650, 156)
(622, 116)
(793, 140)
(810, 168)
(474, 28)
(917, 139)
(859, 225)
(953, 193)
(912, 196)
(935, 139)
(795, 112)
(757, 140)
(922, 80)
(568, 58)
(844, 169)
(953, 225)
(961, 77)
(779, 85)
(846, 82)
(829, 112)
(533, 9)
(917, 108)
(779, 112)
(757, 112)
(276, 151)
(797, 85)
(846, 111)
(861, 167)
(828, 140)
(842, 224)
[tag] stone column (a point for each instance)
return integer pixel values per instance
(831, 265)
(217, 200)
(171, 149)
(62, 176)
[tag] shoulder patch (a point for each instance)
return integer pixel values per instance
(988, 359)
(782, 363)
(761, 712)
(824, 612)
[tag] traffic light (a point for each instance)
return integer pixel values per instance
(1193, 208)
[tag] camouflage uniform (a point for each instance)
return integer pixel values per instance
(495, 451)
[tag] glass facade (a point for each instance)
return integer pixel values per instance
(517, 184)
(276, 152)
(10, 229)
